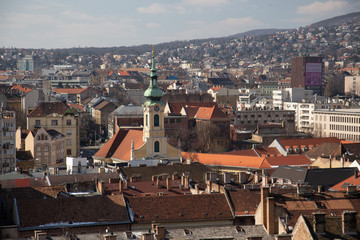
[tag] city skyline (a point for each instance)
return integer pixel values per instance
(65, 24)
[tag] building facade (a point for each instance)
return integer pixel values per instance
(340, 123)
(307, 72)
(7, 141)
(352, 85)
(60, 117)
(29, 63)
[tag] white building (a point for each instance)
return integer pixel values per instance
(352, 85)
(76, 165)
(291, 95)
(7, 141)
(340, 123)
(304, 113)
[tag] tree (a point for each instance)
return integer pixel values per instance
(205, 135)
(87, 127)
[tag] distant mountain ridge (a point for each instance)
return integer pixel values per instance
(256, 32)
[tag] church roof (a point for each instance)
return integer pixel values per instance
(210, 113)
(153, 93)
(110, 146)
(123, 151)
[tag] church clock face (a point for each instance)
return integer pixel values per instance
(156, 108)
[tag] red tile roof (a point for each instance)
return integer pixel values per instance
(216, 88)
(69, 90)
(210, 113)
(351, 181)
(109, 148)
(227, 160)
(185, 208)
(175, 107)
(21, 88)
(249, 152)
(245, 202)
(268, 151)
(124, 149)
(123, 73)
(307, 141)
(292, 160)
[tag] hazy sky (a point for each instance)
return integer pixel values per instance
(107, 23)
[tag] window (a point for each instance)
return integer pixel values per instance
(147, 121)
(68, 132)
(156, 146)
(172, 120)
(68, 122)
(68, 152)
(68, 142)
(178, 120)
(37, 123)
(54, 122)
(46, 148)
(156, 120)
(38, 148)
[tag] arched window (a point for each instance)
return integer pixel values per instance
(156, 120)
(156, 146)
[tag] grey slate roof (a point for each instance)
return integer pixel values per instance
(129, 110)
(325, 177)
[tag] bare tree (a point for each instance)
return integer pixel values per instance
(206, 134)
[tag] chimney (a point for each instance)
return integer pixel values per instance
(153, 178)
(342, 160)
(264, 196)
(320, 188)
(147, 236)
(330, 157)
(242, 177)
(256, 178)
(157, 182)
(197, 188)
(349, 222)
(208, 186)
(351, 189)
(270, 215)
(304, 189)
(283, 237)
(168, 184)
(121, 186)
(186, 182)
(319, 222)
(227, 177)
(159, 233)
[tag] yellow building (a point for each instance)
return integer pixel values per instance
(60, 117)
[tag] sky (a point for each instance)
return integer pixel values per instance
(109, 23)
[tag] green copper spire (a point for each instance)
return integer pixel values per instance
(153, 94)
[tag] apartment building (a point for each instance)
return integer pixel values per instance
(352, 85)
(7, 141)
(340, 123)
(60, 117)
(253, 117)
(291, 95)
(304, 113)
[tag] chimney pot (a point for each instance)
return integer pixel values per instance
(349, 224)
(319, 222)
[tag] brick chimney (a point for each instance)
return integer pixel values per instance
(227, 177)
(197, 188)
(270, 215)
(186, 182)
(100, 187)
(256, 178)
(153, 178)
(349, 225)
(157, 182)
(121, 186)
(159, 233)
(264, 196)
(242, 177)
(351, 189)
(208, 186)
(147, 236)
(168, 184)
(319, 222)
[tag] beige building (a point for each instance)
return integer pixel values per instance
(60, 117)
(7, 141)
(352, 85)
(46, 146)
(340, 123)
(223, 95)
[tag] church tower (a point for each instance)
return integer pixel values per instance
(154, 131)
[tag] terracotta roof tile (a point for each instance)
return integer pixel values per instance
(249, 152)
(109, 148)
(185, 208)
(351, 181)
(245, 202)
(307, 141)
(227, 160)
(210, 113)
(123, 73)
(21, 88)
(124, 149)
(141, 189)
(69, 90)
